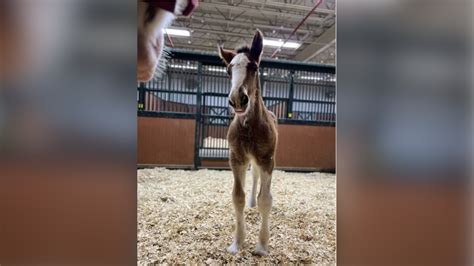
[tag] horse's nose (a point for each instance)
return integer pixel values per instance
(149, 50)
(231, 103)
(244, 100)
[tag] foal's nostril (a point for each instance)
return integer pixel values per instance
(244, 100)
(231, 103)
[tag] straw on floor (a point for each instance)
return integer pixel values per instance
(187, 217)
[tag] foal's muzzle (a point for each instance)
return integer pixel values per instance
(239, 102)
(149, 53)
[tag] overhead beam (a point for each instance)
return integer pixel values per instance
(242, 35)
(321, 44)
(289, 6)
(198, 47)
(320, 51)
(252, 11)
(240, 23)
(246, 36)
(204, 42)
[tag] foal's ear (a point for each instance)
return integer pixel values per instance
(257, 47)
(225, 55)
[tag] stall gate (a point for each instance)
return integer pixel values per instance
(196, 86)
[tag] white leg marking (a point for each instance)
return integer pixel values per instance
(233, 248)
(253, 197)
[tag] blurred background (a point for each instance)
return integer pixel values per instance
(67, 131)
(404, 132)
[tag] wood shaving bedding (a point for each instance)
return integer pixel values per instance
(188, 217)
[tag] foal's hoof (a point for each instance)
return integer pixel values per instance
(252, 204)
(261, 250)
(234, 248)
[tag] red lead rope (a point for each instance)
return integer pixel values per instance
(170, 40)
(297, 27)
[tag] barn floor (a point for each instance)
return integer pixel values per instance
(187, 217)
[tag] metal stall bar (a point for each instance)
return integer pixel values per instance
(197, 160)
(289, 106)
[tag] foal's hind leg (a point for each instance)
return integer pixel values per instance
(255, 173)
(264, 207)
(238, 198)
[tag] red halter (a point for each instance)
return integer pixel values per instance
(169, 5)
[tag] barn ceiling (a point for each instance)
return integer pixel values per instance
(233, 23)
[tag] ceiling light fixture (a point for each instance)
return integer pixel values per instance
(278, 43)
(178, 32)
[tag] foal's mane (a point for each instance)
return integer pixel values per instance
(243, 49)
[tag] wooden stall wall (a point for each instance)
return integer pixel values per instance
(311, 148)
(306, 147)
(170, 142)
(165, 141)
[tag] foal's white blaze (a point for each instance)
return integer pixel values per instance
(239, 71)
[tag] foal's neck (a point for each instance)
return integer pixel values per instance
(258, 107)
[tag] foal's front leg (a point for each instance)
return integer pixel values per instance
(253, 197)
(264, 207)
(238, 198)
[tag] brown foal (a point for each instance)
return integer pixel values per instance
(252, 139)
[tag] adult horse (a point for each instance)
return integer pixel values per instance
(153, 18)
